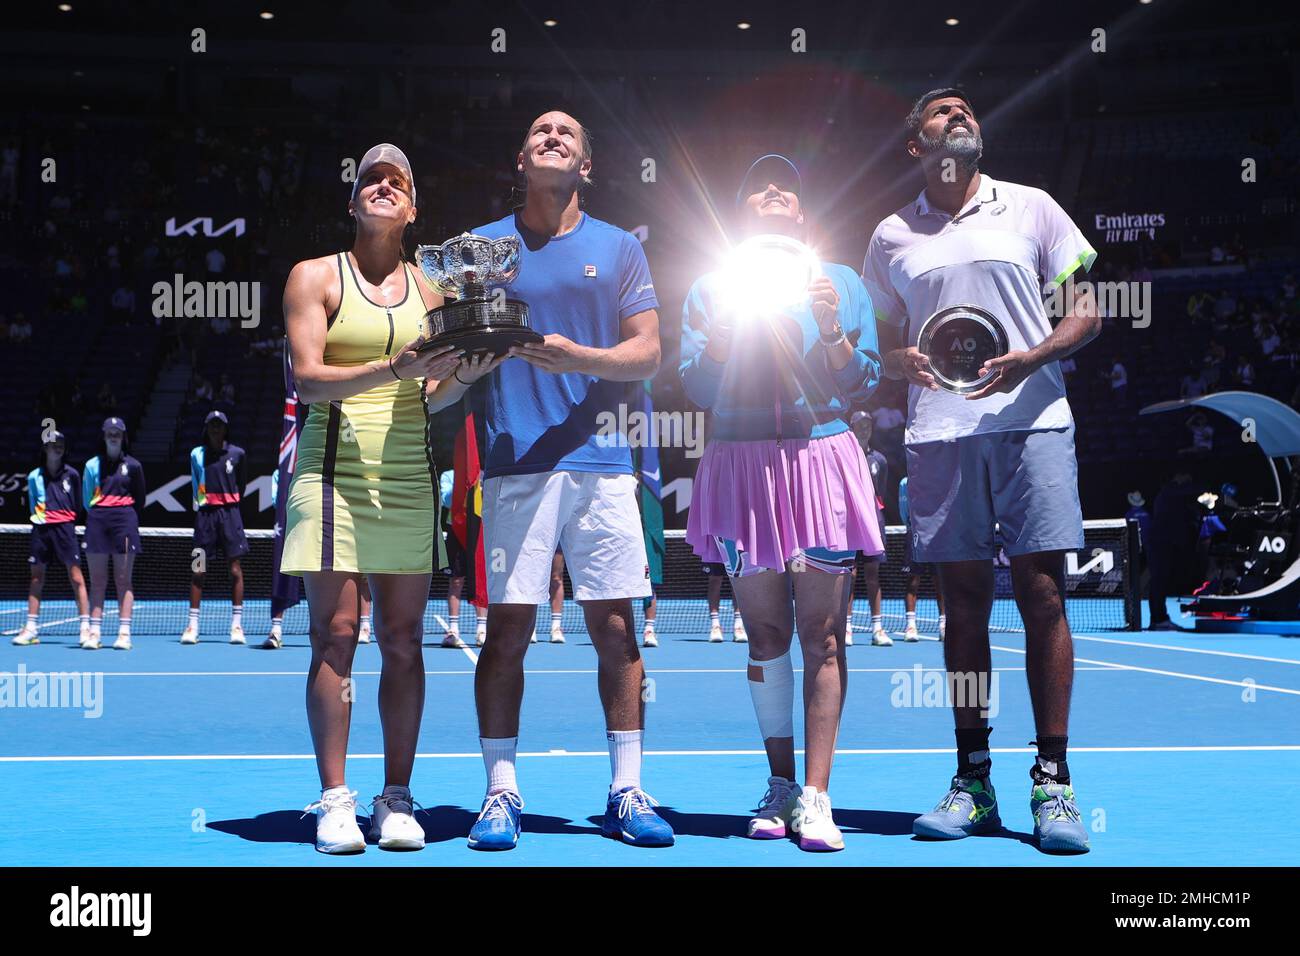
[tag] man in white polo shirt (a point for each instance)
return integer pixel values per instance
(1003, 454)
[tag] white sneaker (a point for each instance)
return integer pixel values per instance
(26, 636)
(910, 634)
(452, 639)
(363, 635)
(715, 633)
(123, 642)
(392, 819)
(738, 634)
(848, 632)
(85, 635)
(92, 640)
(273, 642)
(943, 627)
(533, 639)
(480, 634)
(237, 634)
(336, 822)
(557, 634)
(880, 639)
(812, 821)
(648, 638)
(190, 635)
(776, 810)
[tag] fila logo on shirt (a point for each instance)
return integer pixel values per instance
(67, 485)
(230, 466)
(589, 271)
(122, 470)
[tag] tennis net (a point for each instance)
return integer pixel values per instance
(1101, 579)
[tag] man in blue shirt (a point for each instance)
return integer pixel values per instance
(555, 476)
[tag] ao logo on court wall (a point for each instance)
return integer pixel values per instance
(1272, 547)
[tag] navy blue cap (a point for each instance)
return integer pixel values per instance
(218, 416)
(771, 168)
(114, 422)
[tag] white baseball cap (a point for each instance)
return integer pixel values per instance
(384, 153)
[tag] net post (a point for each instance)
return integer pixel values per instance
(1132, 576)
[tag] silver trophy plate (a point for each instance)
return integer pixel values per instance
(477, 321)
(958, 341)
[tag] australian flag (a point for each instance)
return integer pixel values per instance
(286, 589)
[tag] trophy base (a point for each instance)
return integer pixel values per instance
(478, 325)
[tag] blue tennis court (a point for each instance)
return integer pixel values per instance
(201, 756)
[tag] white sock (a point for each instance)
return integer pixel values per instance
(31, 621)
(236, 615)
(713, 618)
(649, 625)
(499, 759)
(85, 621)
(342, 790)
(911, 619)
(877, 620)
(624, 758)
(194, 618)
(277, 625)
(556, 625)
(94, 628)
(480, 623)
(124, 626)
(453, 626)
(365, 623)
(943, 619)
(773, 696)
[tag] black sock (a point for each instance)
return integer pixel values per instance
(973, 752)
(1050, 767)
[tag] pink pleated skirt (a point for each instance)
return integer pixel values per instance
(777, 499)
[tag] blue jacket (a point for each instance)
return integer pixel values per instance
(777, 381)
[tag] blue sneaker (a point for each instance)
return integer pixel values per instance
(970, 808)
(497, 826)
(630, 817)
(1057, 823)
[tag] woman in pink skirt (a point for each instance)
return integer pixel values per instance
(783, 496)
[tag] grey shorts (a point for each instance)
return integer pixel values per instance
(1027, 482)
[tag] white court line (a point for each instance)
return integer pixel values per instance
(469, 652)
(1190, 650)
(1227, 748)
(1164, 673)
(66, 620)
(798, 670)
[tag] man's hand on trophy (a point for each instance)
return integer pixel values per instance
(555, 353)
(911, 364)
(436, 363)
(825, 303)
(474, 367)
(1012, 369)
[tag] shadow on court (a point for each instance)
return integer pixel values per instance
(440, 824)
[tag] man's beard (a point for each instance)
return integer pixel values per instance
(965, 148)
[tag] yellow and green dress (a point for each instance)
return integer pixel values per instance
(364, 496)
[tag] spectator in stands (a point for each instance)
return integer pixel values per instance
(20, 330)
(216, 262)
(1118, 382)
(1225, 305)
(202, 389)
(1244, 374)
(106, 401)
(1194, 384)
(1214, 358)
(1202, 435)
(227, 392)
(123, 300)
(1269, 340)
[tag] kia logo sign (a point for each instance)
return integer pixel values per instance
(203, 225)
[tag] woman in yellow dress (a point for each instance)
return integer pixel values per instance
(364, 497)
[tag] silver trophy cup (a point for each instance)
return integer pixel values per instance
(477, 321)
(958, 341)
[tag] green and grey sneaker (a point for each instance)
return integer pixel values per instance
(1058, 827)
(970, 808)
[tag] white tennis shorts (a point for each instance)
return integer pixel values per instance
(592, 517)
